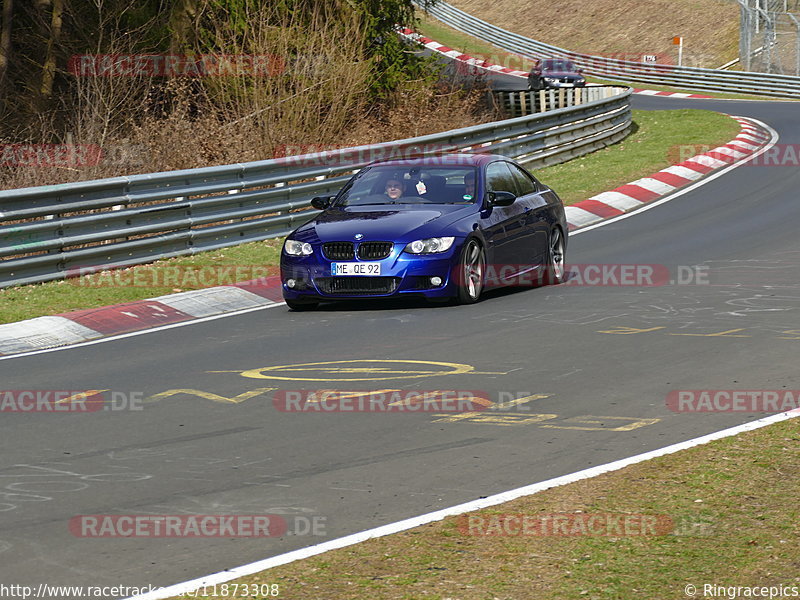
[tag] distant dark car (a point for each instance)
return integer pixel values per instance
(443, 227)
(555, 73)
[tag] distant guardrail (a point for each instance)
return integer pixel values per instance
(52, 232)
(710, 80)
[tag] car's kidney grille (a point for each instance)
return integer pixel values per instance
(374, 250)
(338, 250)
(357, 285)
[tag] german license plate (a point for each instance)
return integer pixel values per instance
(339, 269)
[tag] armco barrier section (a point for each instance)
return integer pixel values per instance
(764, 84)
(52, 232)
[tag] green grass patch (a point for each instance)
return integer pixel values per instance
(660, 138)
(652, 146)
(732, 520)
(219, 267)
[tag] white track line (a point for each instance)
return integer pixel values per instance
(384, 530)
(143, 331)
(350, 540)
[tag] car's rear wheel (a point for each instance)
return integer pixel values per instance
(299, 305)
(471, 272)
(556, 255)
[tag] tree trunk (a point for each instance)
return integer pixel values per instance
(182, 35)
(5, 39)
(49, 70)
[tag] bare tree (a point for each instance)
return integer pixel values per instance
(49, 67)
(5, 39)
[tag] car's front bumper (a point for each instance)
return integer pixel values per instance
(401, 274)
(565, 84)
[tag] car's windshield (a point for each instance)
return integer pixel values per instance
(559, 65)
(410, 184)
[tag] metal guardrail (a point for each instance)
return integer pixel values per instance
(52, 232)
(712, 80)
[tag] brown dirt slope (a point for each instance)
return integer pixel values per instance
(710, 28)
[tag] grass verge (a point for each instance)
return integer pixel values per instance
(731, 505)
(652, 146)
(660, 138)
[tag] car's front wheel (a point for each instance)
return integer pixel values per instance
(556, 255)
(471, 272)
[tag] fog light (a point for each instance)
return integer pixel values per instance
(436, 281)
(290, 283)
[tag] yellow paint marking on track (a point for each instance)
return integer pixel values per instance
(210, 395)
(594, 423)
(523, 400)
(82, 396)
(792, 332)
(382, 371)
(493, 417)
(327, 366)
(630, 330)
(719, 334)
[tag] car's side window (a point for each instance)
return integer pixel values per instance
(525, 184)
(500, 179)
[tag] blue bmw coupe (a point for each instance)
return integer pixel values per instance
(444, 227)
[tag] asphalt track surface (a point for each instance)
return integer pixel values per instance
(599, 359)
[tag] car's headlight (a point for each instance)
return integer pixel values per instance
(295, 248)
(551, 79)
(430, 245)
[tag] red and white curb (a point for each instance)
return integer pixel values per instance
(642, 191)
(670, 94)
(458, 56)
(91, 324)
(487, 66)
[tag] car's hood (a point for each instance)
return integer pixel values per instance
(401, 222)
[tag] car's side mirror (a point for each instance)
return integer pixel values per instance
(501, 198)
(321, 202)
